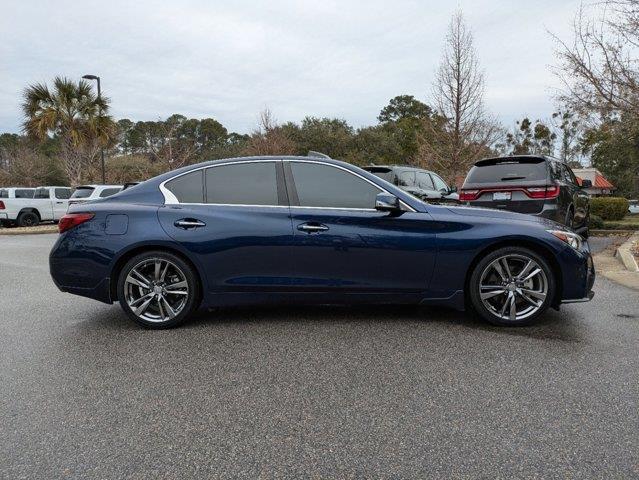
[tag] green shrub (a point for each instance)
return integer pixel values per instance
(609, 208)
(596, 222)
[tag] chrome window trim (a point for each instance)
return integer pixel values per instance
(171, 199)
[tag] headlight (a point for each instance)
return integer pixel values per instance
(570, 238)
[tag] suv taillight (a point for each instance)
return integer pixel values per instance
(543, 192)
(1, 205)
(72, 220)
(468, 195)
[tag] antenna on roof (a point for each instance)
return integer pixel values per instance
(312, 153)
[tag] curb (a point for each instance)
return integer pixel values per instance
(624, 254)
(13, 232)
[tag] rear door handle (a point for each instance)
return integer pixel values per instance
(187, 223)
(312, 227)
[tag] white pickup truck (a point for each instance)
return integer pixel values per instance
(47, 204)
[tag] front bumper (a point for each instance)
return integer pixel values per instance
(578, 275)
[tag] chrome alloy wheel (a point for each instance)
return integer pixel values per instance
(513, 287)
(156, 290)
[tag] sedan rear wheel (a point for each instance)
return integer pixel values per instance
(158, 289)
(512, 286)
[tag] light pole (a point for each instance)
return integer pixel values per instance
(95, 77)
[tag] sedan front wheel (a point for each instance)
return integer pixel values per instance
(512, 286)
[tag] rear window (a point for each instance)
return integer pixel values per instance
(508, 170)
(107, 192)
(82, 192)
(381, 172)
(24, 193)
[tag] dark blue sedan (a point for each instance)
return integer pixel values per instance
(273, 230)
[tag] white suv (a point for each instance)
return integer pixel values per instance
(86, 193)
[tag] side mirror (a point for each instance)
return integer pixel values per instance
(385, 202)
(586, 184)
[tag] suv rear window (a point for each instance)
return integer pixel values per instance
(508, 169)
(382, 172)
(82, 192)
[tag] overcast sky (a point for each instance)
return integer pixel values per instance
(230, 59)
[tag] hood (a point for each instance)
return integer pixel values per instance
(506, 215)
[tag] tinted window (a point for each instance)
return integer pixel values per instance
(407, 179)
(24, 193)
(62, 193)
(242, 184)
(107, 192)
(508, 170)
(188, 188)
(82, 192)
(325, 186)
(41, 193)
(424, 181)
(569, 175)
(4, 193)
(439, 183)
(382, 172)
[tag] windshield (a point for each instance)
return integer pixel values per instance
(82, 192)
(508, 170)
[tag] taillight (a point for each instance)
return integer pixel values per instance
(72, 220)
(1, 205)
(543, 192)
(468, 195)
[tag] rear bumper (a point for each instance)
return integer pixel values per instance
(4, 216)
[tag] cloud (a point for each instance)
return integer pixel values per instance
(228, 60)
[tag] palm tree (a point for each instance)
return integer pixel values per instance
(75, 116)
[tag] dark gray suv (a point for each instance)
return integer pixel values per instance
(536, 185)
(423, 184)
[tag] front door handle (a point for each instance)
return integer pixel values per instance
(312, 227)
(187, 223)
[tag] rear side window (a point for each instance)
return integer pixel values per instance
(23, 193)
(508, 170)
(107, 192)
(82, 192)
(439, 183)
(4, 193)
(407, 179)
(188, 188)
(242, 184)
(41, 193)
(62, 193)
(325, 186)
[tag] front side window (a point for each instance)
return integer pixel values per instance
(253, 183)
(439, 183)
(41, 193)
(188, 188)
(320, 185)
(62, 193)
(424, 181)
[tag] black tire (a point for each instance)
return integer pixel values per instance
(126, 291)
(485, 265)
(28, 219)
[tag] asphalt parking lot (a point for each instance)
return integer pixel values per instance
(311, 392)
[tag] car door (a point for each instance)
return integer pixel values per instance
(234, 218)
(342, 245)
(60, 202)
(43, 201)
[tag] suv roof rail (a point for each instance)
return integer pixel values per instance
(312, 153)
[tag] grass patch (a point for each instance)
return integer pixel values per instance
(629, 222)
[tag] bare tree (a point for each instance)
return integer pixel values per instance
(462, 131)
(269, 138)
(600, 67)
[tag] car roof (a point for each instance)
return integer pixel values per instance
(403, 167)
(98, 186)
